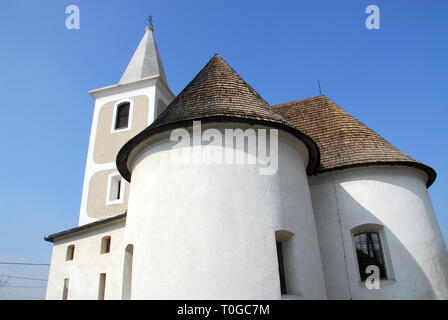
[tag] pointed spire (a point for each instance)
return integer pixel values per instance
(145, 62)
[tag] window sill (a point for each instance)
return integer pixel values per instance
(120, 130)
(112, 202)
(383, 283)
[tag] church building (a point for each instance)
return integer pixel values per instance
(315, 206)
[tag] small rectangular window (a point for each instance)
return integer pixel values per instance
(102, 286)
(122, 116)
(369, 252)
(115, 189)
(70, 252)
(105, 244)
(65, 291)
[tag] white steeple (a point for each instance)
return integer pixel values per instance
(145, 62)
(144, 90)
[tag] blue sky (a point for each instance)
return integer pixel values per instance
(392, 79)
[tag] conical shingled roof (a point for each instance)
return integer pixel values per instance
(343, 140)
(217, 90)
(217, 93)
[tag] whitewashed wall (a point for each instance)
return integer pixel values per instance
(84, 270)
(397, 198)
(208, 231)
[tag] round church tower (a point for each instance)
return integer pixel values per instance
(372, 207)
(219, 202)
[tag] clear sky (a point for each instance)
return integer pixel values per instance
(393, 79)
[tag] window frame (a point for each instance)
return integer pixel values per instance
(111, 177)
(114, 115)
(70, 253)
(379, 229)
(106, 243)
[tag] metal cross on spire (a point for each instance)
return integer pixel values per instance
(150, 22)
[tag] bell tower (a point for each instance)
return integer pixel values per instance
(120, 112)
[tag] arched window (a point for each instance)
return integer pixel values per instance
(122, 116)
(127, 272)
(70, 252)
(369, 251)
(105, 244)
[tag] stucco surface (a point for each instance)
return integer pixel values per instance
(96, 201)
(208, 231)
(108, 143)
(396, 198)
(84, 270)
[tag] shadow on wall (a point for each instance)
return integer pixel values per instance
(413, 246)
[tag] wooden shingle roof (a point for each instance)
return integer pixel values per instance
(335, 139)
(343, 140)
(216, 94)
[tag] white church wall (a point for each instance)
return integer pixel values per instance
(208, 231)
(88, 263)
(325, 210)
(395, 197)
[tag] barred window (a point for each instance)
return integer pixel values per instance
(369, 252)
(122, 117)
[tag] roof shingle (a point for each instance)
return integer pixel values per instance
(217, 93)
(343, 140)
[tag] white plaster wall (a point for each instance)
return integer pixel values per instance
(397, 198)
(84, 270)
(208, 231)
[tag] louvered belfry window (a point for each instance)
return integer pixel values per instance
(122, 118)
(369, 252)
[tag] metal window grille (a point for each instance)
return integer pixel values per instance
(369, 252)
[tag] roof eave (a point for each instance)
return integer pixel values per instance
(125, 151)
(85, 227)
(430, 172)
